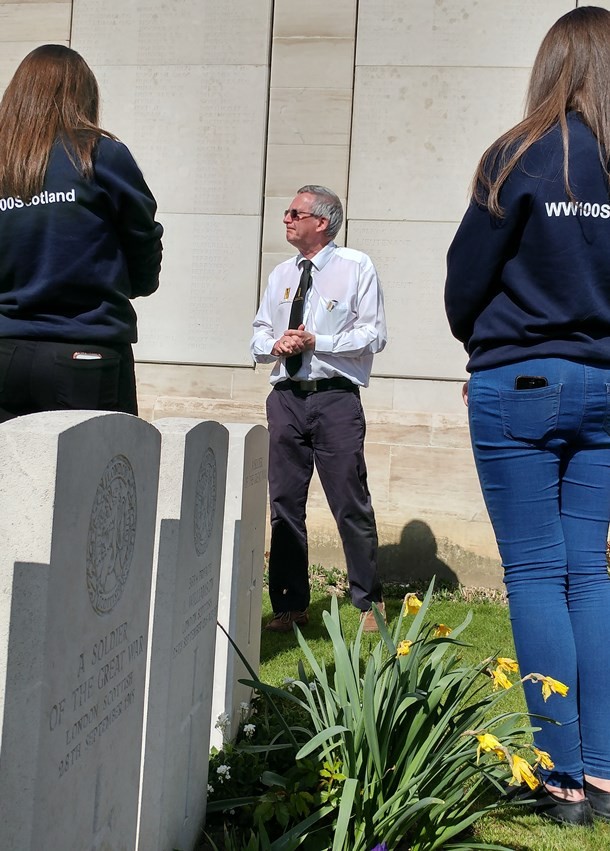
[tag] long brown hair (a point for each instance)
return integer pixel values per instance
(571, 72)
(52, 96)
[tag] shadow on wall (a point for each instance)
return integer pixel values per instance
(414, 557)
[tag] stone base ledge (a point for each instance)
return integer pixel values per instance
(430, 512)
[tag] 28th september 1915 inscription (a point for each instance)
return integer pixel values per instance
(103, 690)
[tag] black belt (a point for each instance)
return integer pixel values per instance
(338, 383)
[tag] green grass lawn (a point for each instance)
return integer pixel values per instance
(488, 634)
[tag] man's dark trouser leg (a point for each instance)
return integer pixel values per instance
(290, 471)
(338, 441)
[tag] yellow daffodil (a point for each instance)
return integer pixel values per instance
(412, 604)
(549, 686)
(544, 759)
(489, 744)
(522, 772)
(404, 648)
(441, 631)
(507, 664)
(500, 680)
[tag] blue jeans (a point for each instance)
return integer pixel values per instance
(543, 459)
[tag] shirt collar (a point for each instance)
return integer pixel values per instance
(320, 259)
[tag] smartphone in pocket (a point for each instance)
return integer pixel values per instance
(530, 382)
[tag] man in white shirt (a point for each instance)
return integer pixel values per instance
(321, 321)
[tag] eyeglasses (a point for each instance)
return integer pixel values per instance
(297, 215)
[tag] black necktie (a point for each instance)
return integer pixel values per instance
(293, 363)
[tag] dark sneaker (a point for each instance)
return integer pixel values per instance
(370, 624)
(599, 800)
(552, 807)
(283, 621)
(564, 812)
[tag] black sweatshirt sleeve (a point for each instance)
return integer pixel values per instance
(475, 260)
(135, 207)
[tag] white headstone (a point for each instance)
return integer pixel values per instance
(78, 496)
(241, 577)
(183, 633)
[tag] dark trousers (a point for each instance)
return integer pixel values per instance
(326, 428)
(39, 375)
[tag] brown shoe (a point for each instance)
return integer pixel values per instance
(370, 624)
(282, 621)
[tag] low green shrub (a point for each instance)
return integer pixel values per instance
(391, 744)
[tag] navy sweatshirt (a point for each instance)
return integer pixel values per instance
(536, 283)
(73, 257)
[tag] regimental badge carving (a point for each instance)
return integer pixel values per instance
(112, 532)
(205, 502)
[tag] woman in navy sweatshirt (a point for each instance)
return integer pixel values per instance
(528, 293)
(78, 241)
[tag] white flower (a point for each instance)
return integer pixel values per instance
(245, 707)
(313, 687)
(289, 683)
(223, 772)
(223, 722)
(249, 730)
(210, 789)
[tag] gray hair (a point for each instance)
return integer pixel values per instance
(328, 205)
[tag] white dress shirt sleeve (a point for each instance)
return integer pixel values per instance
(263, 338)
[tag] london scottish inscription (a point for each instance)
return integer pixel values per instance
(103, 691)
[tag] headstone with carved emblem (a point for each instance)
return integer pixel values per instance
(185, 599)
(241, 577)
(78, 495)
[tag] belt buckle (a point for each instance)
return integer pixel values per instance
(307, 386)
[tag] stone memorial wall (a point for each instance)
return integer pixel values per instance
(435, 84)
(78, 496)
(229, 108)
(184, 85)
(24, 25)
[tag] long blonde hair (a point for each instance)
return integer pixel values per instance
(571, 72)
(52, 96)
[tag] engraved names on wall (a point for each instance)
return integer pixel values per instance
(190, 100)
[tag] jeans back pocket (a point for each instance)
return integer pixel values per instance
(530, 415)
